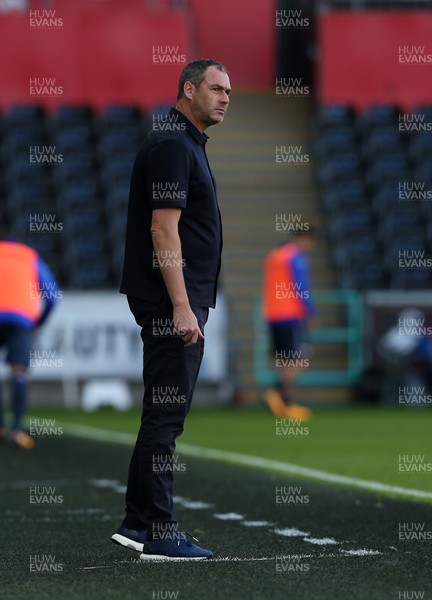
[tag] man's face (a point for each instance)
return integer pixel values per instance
(209, 102)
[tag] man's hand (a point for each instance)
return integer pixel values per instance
(186, 325)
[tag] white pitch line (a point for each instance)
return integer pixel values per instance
(346, 554)
(274, 465)
(225, 559)
(257, 523)
(291, 532)
(321, 541)
(251, 461)
(361, 552)
(232, 516)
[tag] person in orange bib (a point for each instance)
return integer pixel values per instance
(287, 308)
(28, 292)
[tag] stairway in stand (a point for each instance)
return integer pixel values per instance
(254, 191)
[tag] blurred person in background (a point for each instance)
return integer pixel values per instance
(28, 292)
(288, 310)
(171, 267)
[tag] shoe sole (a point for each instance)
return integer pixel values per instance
(121, 540)
(162, 557)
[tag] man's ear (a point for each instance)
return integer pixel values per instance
(188, 90)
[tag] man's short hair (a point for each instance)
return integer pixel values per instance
(195, 72)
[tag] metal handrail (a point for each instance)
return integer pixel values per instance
(349, 335)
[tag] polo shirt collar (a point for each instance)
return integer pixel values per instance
(199, 137)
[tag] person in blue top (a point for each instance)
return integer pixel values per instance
(28, 293)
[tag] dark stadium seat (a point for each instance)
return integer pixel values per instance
(116, 200)
(381, 140)
(351, 221)
(338, 166)
(76, 165)
(399, 219)
(117, 115)
(20, 169)
(25, 114)
(404, 242)
(359, 247)
(423, 171)
(72, 115)
(74, 137)
(333, 201)
(337, 139)
(350, 189)
(420, 145)
(19, 141)
(363, 276)
(31, 188)
(386, 167)
(331, 115)
(19, 205)
(409, 279)
(88, 219)
(378, 115)
(80, 188)
(88, 275)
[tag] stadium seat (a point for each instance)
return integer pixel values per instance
(378, 115)
(25, 114)
(74, 137)
(410, 279)
(338, 166)
(420, 145)
(381, 140)
(355, 248)
(70, 115)
(331, 115)
(117, 115)
(18, 141)
(363, 276)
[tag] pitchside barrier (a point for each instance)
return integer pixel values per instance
(398, 345)
(350, 335)
(91, 338)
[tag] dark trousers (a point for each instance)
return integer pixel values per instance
(170, 374)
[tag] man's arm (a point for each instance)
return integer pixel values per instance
(166, 243)
(300, 270)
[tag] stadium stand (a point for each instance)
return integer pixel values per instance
(366, 167)
(69, 171)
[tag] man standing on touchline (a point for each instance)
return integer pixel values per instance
(171, 266)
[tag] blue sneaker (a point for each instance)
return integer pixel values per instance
(130, 538)
(174, 547)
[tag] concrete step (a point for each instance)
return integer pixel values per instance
(253, 190)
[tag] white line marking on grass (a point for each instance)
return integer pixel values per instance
(321, 541)
(232, 516)
(251, 461)
(291, 532)
(136, 561)
(257, 523)
(274, 465)
(226, 559)
(361, 552)
(191, 504)
(111, 484)
(196, 504)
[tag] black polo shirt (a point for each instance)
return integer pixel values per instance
(172, 170)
